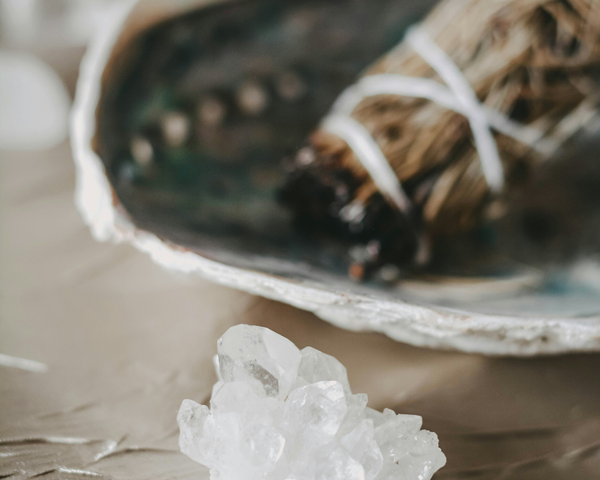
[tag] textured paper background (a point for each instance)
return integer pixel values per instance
(126, 341)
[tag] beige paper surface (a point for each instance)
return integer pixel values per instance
(125, 342)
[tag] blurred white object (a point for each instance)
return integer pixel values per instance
(34, 104)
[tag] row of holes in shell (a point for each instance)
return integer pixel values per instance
(252, 99)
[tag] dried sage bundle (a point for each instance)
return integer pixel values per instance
(534, 63)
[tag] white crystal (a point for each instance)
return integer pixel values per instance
(316, 366)
(259, 356)
(312, 415)
(280, 414)
(361, 445)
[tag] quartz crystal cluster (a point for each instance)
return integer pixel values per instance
(279, 413)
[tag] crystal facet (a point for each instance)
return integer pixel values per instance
(259, 356)
(316, 366)
(278, 413)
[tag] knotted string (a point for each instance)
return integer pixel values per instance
(456, 95)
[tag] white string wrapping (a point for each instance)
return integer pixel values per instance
(366, 149)
(456, 95)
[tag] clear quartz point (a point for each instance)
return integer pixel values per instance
(259, 356)
(278, 413)
(316, 366)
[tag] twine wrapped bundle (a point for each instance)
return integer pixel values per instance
(532, 66)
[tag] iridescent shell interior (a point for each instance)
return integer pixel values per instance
(199, 112)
